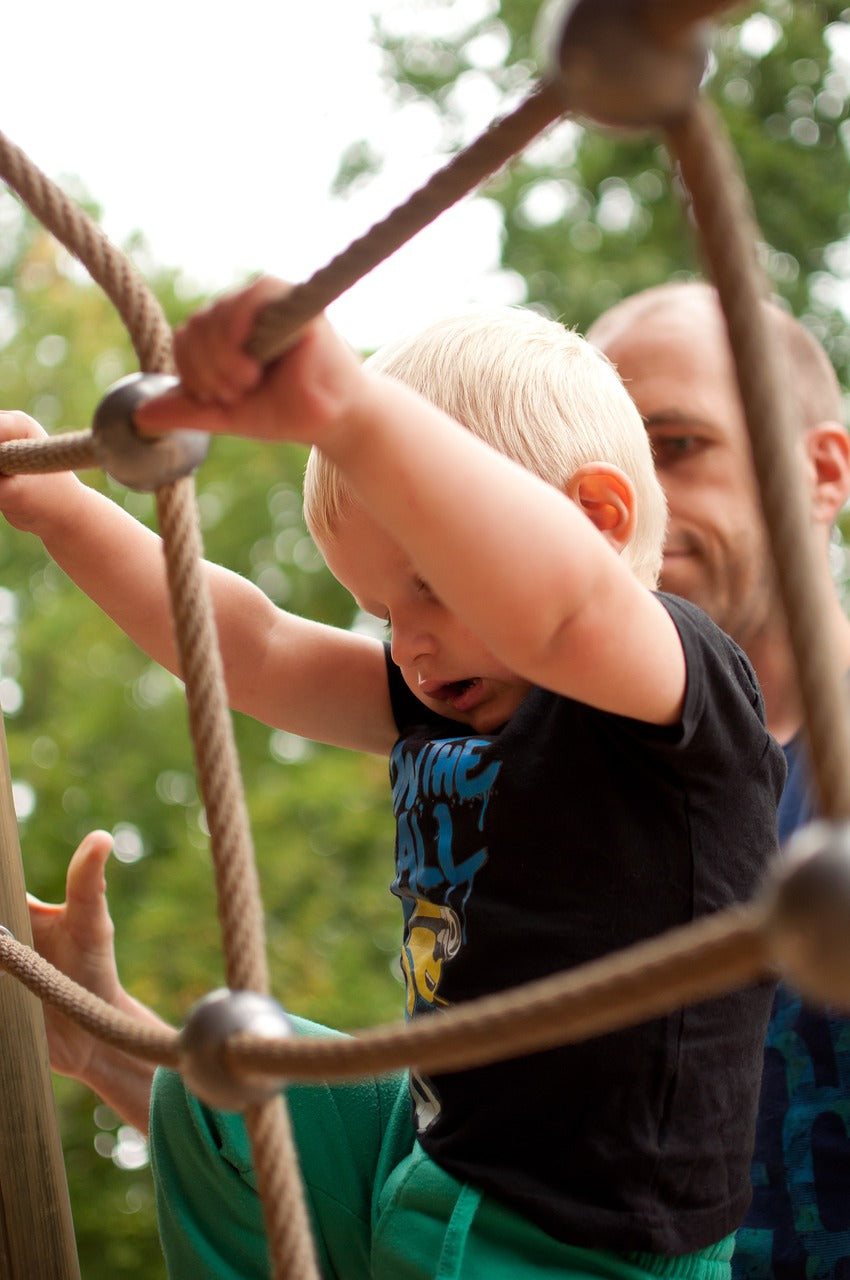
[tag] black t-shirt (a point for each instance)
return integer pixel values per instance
(565, 835)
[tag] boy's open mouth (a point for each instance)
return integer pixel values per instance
(457, 687)
(455, 692)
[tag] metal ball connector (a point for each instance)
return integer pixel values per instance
(808, 913)
(143, 463)
(210, 1022)
(611, 67)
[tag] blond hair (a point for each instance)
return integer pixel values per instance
(534, 391)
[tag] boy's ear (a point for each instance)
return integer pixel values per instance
(827, 449)
(606, 495)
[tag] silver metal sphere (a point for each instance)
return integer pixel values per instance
(143, 463)
(210, 1022)
(808, 901)
(610, 68)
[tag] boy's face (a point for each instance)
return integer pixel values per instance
(444, 664)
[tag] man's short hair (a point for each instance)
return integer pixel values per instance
(812, 383)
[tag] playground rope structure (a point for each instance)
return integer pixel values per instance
(706, 958)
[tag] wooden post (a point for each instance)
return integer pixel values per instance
(36, 1228)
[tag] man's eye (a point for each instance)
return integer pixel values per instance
(667, 450)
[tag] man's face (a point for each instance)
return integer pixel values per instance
(677, 368)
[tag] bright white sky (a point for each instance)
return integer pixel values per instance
(216, 130)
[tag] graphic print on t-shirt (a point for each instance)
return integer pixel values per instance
(441, 790)
(431, 935)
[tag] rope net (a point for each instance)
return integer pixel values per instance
(708, 957)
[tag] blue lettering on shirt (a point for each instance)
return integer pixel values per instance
(440, 795)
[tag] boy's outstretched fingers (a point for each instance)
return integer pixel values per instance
(76, 936)
(83, 920)
(85, 883)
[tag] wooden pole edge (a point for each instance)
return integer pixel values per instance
(36, 1227)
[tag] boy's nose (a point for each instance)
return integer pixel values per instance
(408, 643)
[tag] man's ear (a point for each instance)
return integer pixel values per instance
(606, 495)
(827, 450)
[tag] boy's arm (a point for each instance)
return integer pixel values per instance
(512, 557)
(317, 681)
(526, 568)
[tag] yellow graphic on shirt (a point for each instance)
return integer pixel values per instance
(432, 936)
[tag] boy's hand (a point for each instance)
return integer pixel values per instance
(77, 937)
(29, 501)
(303, 396)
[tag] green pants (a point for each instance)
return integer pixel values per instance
(380, 1208)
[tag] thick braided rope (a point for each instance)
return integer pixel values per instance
(88, 1011)
(276, 1165)
(683, 966)
(237, 884)
(238, 891)
(106, 264)
(280, 321)
(721, 205)
(70, 451)
(240, 909)
(239, 899)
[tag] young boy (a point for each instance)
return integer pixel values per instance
(576, 763)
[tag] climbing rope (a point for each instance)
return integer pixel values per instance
(695, 962)
(280, 321)
(703, 959)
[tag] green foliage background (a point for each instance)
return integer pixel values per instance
(97, 734)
